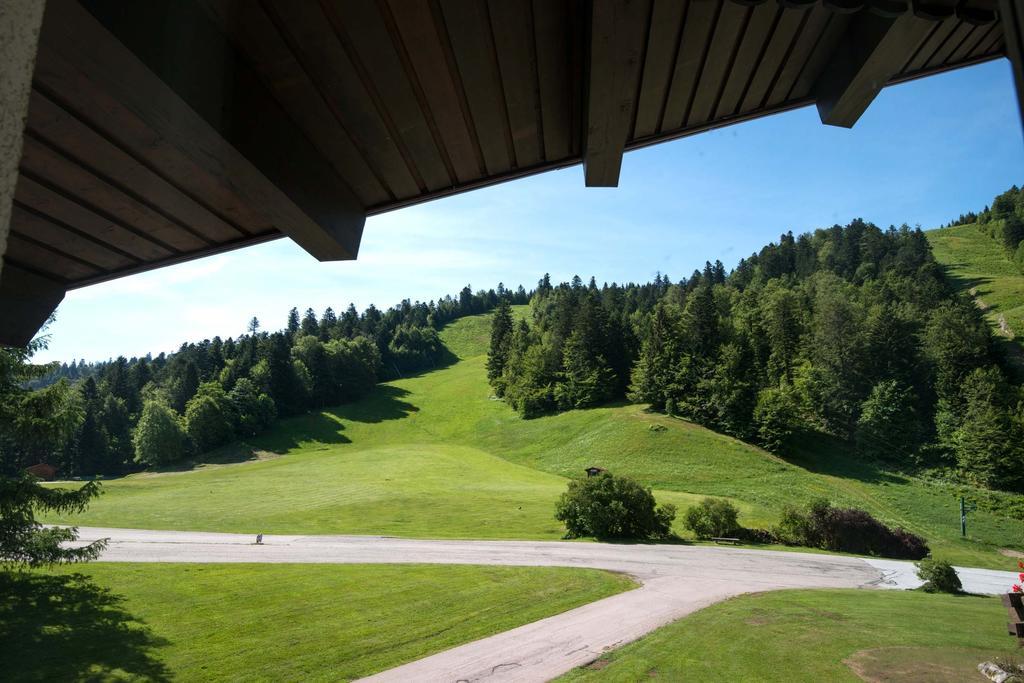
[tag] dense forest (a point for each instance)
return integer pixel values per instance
(849, 331)
(120, 415)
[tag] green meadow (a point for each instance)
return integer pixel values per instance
(266, 622)
(436, 456)
(975, 262)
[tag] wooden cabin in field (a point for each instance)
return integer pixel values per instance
(43, 471)
(594, 471)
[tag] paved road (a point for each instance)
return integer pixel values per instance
(675, 581)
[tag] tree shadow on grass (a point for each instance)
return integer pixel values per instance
(62, 628)
(823, 454)
(384, 403)
(444, 360)
(325, 426)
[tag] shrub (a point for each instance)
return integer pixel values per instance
(712, 518)
(938, 576)
(607, 506)
(820, 525)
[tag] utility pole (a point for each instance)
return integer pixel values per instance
(964, 509)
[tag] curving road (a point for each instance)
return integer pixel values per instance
(675, 581)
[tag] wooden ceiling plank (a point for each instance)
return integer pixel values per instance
(617, 37)
(666, 29)
(818, 35)
(729, 35)
(937, 36)
(513, 41)
(59, 127)
(60, 208)
(217, 102)
(997, 42)
(774, 56)
(255, 35)
(66, 82)
(27, 221)
(45, 162)
(697, 32)
(27, 299)
(956, 39)
(552, 31)
(322, 45)
(756, 39)
(967, 46)
(871, 52)
(470, 34)
(47, 260)
(415, 34)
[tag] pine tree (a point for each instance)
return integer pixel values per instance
(501, 337)
(310, 326)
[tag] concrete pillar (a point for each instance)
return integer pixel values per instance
(20, 21)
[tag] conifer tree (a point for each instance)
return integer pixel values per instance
(501, 338)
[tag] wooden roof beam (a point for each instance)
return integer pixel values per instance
(178, 42)
(615, 44)
(27, 300)
(872, 50)
(1011, 12)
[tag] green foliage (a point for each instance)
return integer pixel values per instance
(37, 424)
(606, 506)
(713, 518)
(939, 576)
(775, 417)
(888, 425)
(25, 541)
(255, 410)
(501, 340)
(210, 417)
(989, 442)
(159, 437)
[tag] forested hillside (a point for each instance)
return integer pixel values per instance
(851, 332)
(120, 415)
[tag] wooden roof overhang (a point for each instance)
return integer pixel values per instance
(166, 130)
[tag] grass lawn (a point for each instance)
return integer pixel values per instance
(975, 261)
(204, 622)
(823, 635)
(435, 456)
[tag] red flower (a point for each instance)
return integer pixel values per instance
(1021, 576)
(1017, 588)
(1021, 564)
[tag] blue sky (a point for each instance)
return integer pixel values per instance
(923, 153)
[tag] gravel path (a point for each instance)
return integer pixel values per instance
(675, 581)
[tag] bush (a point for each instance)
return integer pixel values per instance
(938, 576)
(850, 530)
(712, 518)
(607, 506)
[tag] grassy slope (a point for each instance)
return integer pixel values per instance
(975, 261)
(806, 636)
(272, 622)
(435, 456)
